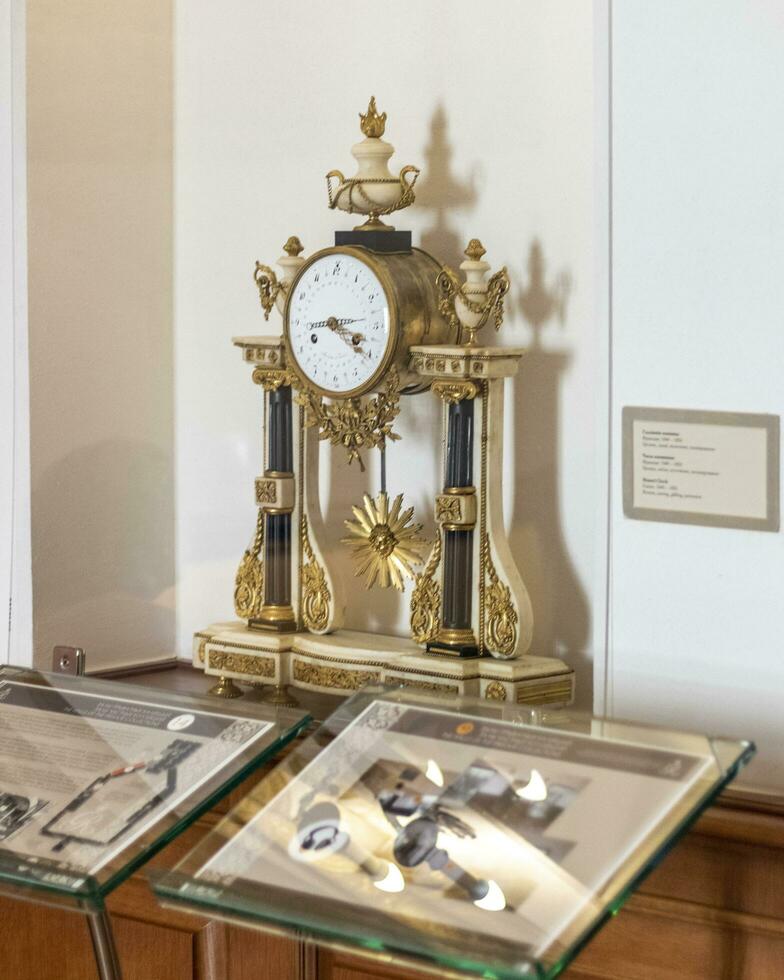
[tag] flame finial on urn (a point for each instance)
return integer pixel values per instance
(373, 190)
(371, 123)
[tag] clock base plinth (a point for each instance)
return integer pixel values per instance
(376, 241)
(343, 662)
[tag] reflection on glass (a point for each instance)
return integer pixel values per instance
(433, 772)
(405, 824)
(392, 880)
(535, 789)
(494, 900)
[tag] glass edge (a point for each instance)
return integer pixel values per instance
(166, 884)
(95, 890)
(169, 833)
(91, 684)
(88, 893)
(616, 904)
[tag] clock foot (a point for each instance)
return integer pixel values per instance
(225, 688)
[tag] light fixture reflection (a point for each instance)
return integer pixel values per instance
(392, 880)
(434, 773)
(535, 789)
(494, 900)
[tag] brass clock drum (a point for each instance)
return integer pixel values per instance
(364, 322)
(352, 315)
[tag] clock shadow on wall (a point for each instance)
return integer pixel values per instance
(561, 615)
(562, 621)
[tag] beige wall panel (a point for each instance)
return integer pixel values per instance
(100, 124)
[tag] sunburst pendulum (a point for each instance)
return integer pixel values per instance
(385, 544)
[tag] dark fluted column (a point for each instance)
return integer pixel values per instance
(277, 613)
(456, 635)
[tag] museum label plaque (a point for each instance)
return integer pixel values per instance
(480, 839)
(95, 776)
(715, 468)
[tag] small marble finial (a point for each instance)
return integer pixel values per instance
(372, 124)
(293, 246)
(474, 250)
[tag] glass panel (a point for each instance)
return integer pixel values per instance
(478, 837)
(95, 776)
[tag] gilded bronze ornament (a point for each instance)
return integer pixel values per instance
(268, 287)
(451, 392)
(225, 688)
(373, 190)
(335, 677)
(495, 691)
(316, 596)
(448, 509)
(271, 379)
(501, 624)
(293, 247)
(385, 545)
(351, 423)
(249, 581)
(470, 304)
(242, 663)
(371, 123)
(426, 599)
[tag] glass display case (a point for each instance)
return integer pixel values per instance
(96, 776)
(475, 838)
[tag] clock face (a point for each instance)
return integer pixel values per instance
(338, 323)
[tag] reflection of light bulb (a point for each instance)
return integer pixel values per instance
(535, 789)
(434, 773)
(392, 880)
(494, 900)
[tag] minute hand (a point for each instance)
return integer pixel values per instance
(332, 322)
(347, 335)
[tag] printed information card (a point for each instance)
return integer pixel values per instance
(714, 468)
(83, 774)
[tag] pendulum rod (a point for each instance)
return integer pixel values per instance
(277, 612)
(456, 636)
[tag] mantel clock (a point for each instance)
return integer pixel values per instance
(364, 322)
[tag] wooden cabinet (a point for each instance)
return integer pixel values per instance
(713, 909)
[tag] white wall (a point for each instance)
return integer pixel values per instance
(697, 616)
(15, 577)
(496, 104)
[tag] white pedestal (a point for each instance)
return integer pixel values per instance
(343, 662)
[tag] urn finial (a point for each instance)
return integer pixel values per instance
(293, 246)
(474, 250)
(371, 123)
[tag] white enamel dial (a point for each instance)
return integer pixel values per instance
(338, 323)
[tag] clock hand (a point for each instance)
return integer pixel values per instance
(352, 339)
(332, 325)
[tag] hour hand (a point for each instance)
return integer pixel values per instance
(346, 335)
